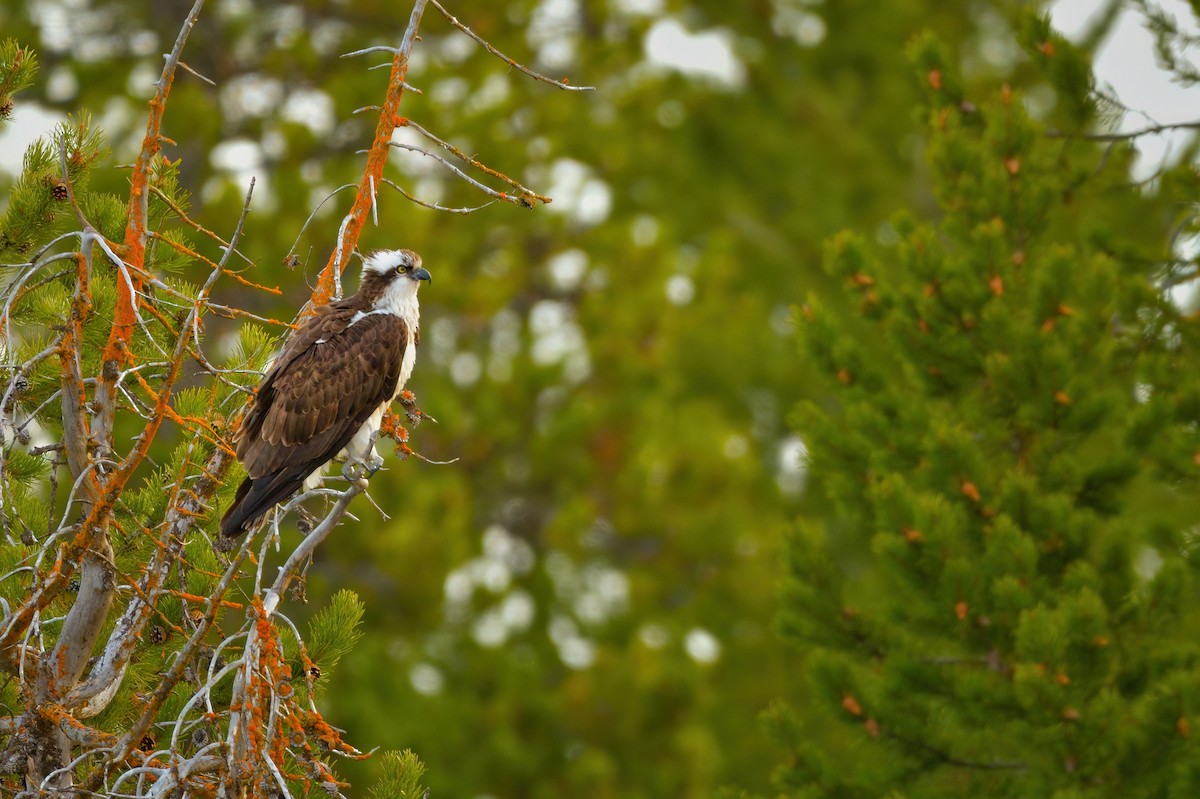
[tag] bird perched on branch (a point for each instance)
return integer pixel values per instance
(329, 387)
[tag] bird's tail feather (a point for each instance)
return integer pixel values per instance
(255, 497)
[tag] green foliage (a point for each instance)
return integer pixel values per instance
(401, 777)
(38, 208)
(335, 629)
(34, 483)
(996, 409)
(1170, 40)
(18, 66)
(1063, 64)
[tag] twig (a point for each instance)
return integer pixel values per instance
(526, 194)
(435, 206)
(1130, 135)
(499, 195)
(562, 84)
(194, 225)
(197, 74)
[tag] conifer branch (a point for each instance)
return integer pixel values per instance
(18, 66)
(1126, 135)
(97, 581)
(125, 745)
(951, 760)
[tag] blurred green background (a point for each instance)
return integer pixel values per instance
(582, 603)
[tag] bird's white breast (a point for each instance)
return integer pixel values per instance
(409, 360)
(401, 300)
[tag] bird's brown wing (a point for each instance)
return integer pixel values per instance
(330, 376)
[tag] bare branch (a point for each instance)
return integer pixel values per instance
(562, 84)
(209, 81)
(499, 195)
(435, 206)
(306, 548)
(526, 194)
(313, 214)
(379, 48)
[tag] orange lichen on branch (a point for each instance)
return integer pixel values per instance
(181, 248)
(225, 603)
(183, 217)
(128, 291)
(162, 318)
(62, 718)
(263, 721)
(251, 284)
(69, 556)
(390, 427)
(125, 313)
(167, 411)
(364, 197)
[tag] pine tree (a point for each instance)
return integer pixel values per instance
(142, 657)
(108, 542)
(1011, 433)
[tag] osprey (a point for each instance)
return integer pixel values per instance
(329, 387)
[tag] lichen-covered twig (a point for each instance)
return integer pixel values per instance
(351, 228)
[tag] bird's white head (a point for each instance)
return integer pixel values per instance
(390, 279)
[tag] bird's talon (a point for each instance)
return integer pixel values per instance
(362, 470)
